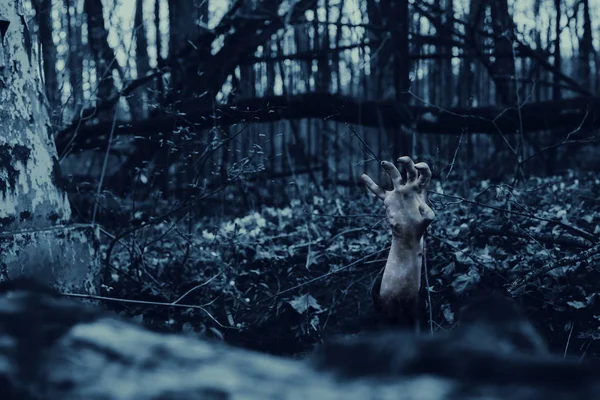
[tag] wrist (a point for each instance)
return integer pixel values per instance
(402, 273)
(407, 243)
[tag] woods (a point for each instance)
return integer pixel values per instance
(195, 166)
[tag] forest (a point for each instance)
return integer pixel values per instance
(217, 169)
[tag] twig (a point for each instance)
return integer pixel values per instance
(196, 287)
(150, 303)
(428, 287)
(324, 275)
(575, 230)
(569, 339)
(563, 262)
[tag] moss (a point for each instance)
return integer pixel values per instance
(57, 177)
(7, 167)
(8, 156)
(25, 215)
(6, 220)
(21, 153)
(53, 217)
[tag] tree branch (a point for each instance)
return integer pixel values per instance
(562, 114)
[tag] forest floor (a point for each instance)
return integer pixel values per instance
(280, 279)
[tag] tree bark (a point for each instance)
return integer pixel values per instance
(74, 21)
(504, 67)
(556, 92)
(33, 203)
(104, 57)
(141, 62)
(586, 47)
(43, 16)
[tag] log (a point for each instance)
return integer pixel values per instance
(55, 348)
(562, 115)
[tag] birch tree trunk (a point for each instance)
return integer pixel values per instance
(35, 239)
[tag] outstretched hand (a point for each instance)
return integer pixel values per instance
(406, 205)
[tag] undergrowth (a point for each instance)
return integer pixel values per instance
(281, 279)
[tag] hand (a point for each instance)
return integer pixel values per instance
(406, 205)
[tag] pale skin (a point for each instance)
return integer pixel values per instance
(409, 216)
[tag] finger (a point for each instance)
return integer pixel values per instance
(373, 187)
(393, 173)
(409, 167)
(427, 213)
(403, 175)
(424, 174)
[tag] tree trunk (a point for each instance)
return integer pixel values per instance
(104, 58)
(504, 67)
(184, 31)
(74, 21)
(33, 203)
(465, 84)
(141, 61)
(586, 47)
(447, 70)
(396, 20)
(43, 16)
(556, 93)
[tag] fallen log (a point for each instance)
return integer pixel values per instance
(54, 348)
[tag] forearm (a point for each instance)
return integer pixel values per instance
(396, 294)
(402, 273)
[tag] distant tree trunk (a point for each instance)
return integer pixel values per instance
(447, 72)
(33, 201)
(159, 95)
(187, 24)
(586, 47)
(183, 30)
(321, 42)
(536, 74)
(552, 153)
(396, 21)
(556, 93)
(43, 16)
(435, 77)
(378, 49)
(504, 66)
(302, 43)
(246, 86)
(467, 77)
(141, 61)
(75, 57)
(449, 97)
(104, 57)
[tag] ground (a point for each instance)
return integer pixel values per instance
(281, 278)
